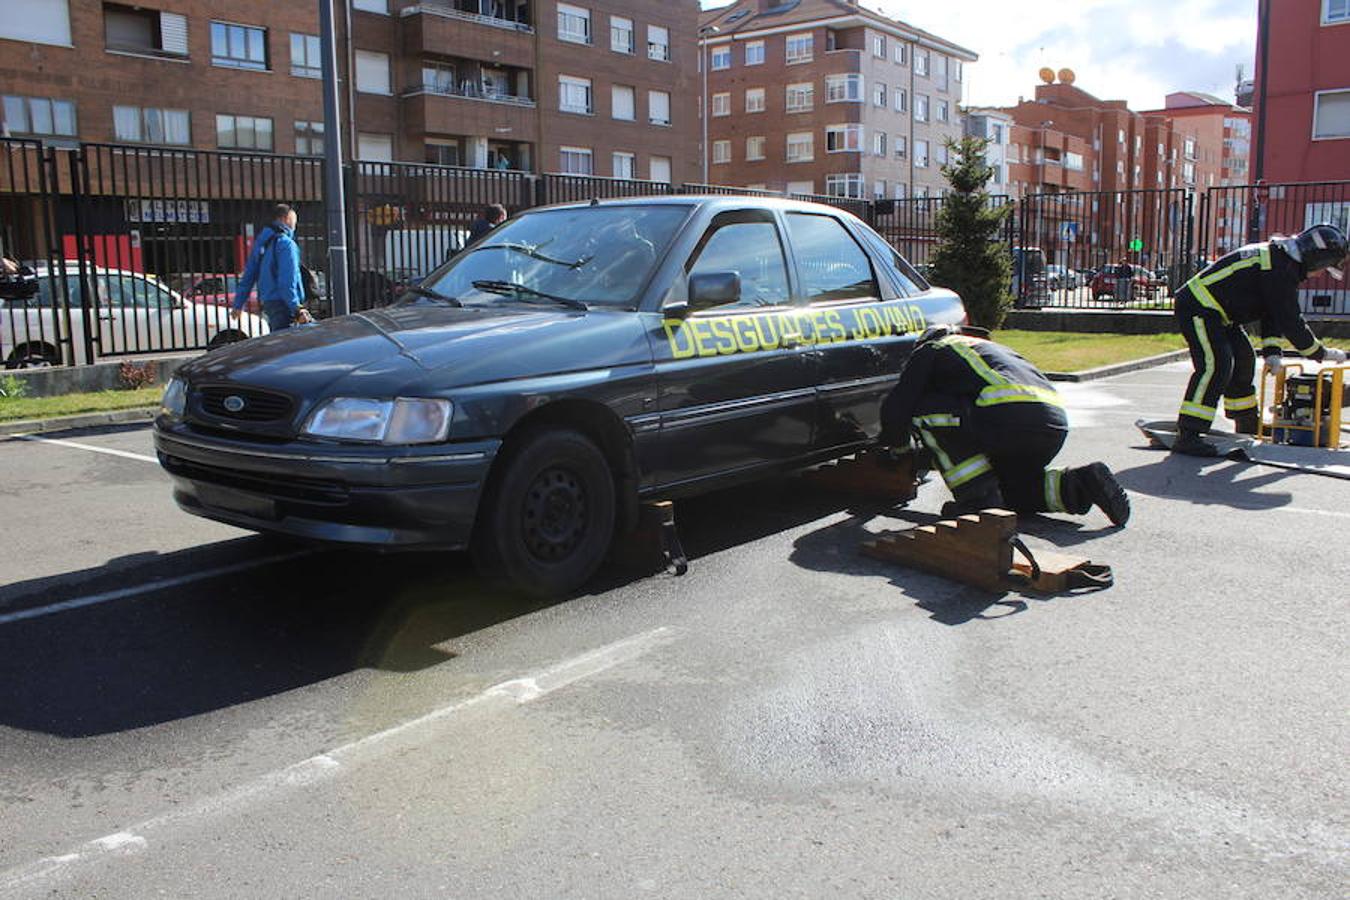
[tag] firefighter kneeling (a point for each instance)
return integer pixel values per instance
(993, 424)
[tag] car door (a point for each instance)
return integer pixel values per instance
(736, 385)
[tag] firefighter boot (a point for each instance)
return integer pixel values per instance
(1191, 442)
(983, 495)
(1101, 489)
(1245, 422)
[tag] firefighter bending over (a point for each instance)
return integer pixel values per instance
(1255, 283)
(993, 424)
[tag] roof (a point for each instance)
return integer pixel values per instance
(744, 18)
(740, 201)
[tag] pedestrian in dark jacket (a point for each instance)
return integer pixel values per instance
(492, 215)
(993, 424)
(1257, 283)
(274, 267)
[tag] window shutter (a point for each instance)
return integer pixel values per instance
(173, 33)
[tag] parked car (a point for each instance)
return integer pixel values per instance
(1060, 278)
(1030, 284)
(134, 313)
(528, 394)
(218, 290)
(1144, 285)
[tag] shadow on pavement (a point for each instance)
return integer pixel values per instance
(1207, 482)
(156, 656)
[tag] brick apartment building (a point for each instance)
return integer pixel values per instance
(604, 87)
(824, 96)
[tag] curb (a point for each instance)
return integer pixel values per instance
(1134, 365)
(83, 420)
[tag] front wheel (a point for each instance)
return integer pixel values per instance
(546, 524)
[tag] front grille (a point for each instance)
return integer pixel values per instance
(305, 490)
(251, 404)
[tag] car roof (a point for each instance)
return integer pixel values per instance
(711, 201)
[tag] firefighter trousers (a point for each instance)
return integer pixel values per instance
(978, 453)
(1225, 365)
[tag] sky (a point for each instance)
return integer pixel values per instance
(1134, 50)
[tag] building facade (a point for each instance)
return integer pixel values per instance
(603, 87)
(995, 128)
(823, 96)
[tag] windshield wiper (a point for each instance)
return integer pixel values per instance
(533, 253)
(418, 290)
(524, 290)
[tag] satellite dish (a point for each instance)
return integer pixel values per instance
(1048, 75)
(1066, 76)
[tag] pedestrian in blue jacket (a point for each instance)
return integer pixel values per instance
(274, 266)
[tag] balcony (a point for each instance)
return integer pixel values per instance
(463, 11)
(469, 91)
(430, 110)
(440, 28)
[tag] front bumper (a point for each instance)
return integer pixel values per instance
(390, 497)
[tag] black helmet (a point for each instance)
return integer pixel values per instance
(936, 333)
(1322, 247)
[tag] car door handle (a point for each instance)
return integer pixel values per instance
(789, 341)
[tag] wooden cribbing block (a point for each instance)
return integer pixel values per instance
(1055, 569)
(974, 549)
(871, 472)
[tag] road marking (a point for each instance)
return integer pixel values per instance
(322, 766)
(108, 596)
(91, 447)
(1312, 512)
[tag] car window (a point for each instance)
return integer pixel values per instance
(832, 265)
(129, 291)
(753, 251)
(907, 278)
(46, 286)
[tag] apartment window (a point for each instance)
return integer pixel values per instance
(844, 185)
(658, 107)
(721, 104)
(575, 161)
(879, 92)
(38, 116)
(309, 138)
(1190, 148)
(621, 37)
(921, 107)
(374, 147)
(145, 125)
(372, 6)
(443, 153)
(754, 147)
(844, 88)
(754, 53)
(238, 46)
(1073, 162)
(306, 58)
(574, 95)
(754, 100)
(800, 97)
(372, 72)
(901, 99)
(943, 114)
(956, 70)
(721, 151)
(879, 189)
(900, 53)
(940, 71)
(658, 42)
(1334, 11)
(898, 191)
(801, 147)
(920, 192)
(720, 58)
(439, 79)
(243, 132)
(1331, 114)
(42, 22)
(624, 165)
(879, 143)
(800, 47)
(843, 138)
(1120, 135)
(996, 134)
(1138, 144)
(801, 187)
(940, 154)
(660, 169)
(623, 102)
(920, 154)
(920, 62)
(1120, 168)
(901, 146)
(131, 30)
(879, 46)
(574, 24)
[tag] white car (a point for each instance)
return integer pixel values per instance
(135, 313)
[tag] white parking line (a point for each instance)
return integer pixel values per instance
(317, 768)
(108, 450)
(120, 593)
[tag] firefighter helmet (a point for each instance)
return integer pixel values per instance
(1322, 247)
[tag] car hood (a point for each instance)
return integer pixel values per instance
(426, 348)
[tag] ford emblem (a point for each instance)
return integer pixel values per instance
(234, 403)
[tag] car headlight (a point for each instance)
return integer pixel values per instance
(401, 421)
(174, 400)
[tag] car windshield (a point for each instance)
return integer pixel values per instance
(598, 255)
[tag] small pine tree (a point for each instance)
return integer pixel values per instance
(970, 259)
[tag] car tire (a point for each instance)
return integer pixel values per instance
(224, 338)
(33, 356)
(545, 525)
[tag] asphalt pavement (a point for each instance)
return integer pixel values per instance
(188, 710)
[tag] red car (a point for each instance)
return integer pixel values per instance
(1143, 285)
(216, 290)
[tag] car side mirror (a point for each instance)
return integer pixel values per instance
(709, 289)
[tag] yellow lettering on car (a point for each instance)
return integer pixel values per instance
(755, 332)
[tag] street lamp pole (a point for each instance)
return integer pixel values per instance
(703, 99)
(335, 206)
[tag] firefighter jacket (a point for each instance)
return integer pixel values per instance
(991, 384)
(1257, 283)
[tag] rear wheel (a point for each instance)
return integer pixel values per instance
(546, 523)
(33, 355)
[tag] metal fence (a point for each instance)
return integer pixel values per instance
(138, 247)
